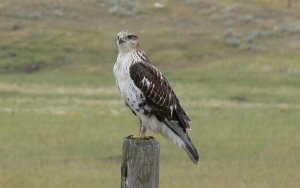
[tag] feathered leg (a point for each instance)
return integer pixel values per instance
(141, 134)
(142, 130)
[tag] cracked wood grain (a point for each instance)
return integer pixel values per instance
(140, 164)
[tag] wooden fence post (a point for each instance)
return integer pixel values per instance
(140, 164)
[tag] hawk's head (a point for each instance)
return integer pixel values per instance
(128, 41)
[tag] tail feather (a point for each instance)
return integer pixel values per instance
(182, 140)
(192, 151)
(183, 117)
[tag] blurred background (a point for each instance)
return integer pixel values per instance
(233, 64)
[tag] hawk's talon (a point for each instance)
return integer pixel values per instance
(139, 137)
(129, 137)
(151, 138)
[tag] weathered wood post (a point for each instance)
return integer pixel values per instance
(140, 164)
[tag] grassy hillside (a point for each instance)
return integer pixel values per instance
(235, 67)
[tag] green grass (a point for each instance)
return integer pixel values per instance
(70, 135)
(63, 125)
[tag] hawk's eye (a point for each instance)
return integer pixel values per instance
(131, 37)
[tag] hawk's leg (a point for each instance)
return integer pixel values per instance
(142, 130)
(141, 135)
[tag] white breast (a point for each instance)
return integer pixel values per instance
(129, 92)
(121, 71)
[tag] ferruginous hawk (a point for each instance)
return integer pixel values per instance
(149, 95)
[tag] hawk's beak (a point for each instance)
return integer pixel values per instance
(121, 41)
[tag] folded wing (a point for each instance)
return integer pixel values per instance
(159, 94)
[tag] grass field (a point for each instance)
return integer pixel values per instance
(62, 124)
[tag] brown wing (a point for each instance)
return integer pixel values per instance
(159, 94)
